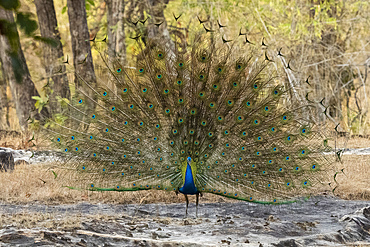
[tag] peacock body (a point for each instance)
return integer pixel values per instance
(214, 116)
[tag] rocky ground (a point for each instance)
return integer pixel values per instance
(321, 221)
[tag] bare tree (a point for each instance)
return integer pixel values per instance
(116, 31)
(82, 59)
(22, 92)
(55, 71)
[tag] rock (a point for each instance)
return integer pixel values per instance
(17, 239)
(287, 243)
(6, 161)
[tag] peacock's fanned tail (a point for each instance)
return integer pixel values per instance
(221, 103)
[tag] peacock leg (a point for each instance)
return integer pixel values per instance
(187, 204)
(197, 201)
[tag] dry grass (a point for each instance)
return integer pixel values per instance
(14, 139)
(354, 182)
(32, 183)
(36, 183)
(41, 220)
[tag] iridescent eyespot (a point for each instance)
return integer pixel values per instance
(119, 70)
(159, 76)
(141, 70)
(80, 101)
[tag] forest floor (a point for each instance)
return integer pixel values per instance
(35, 210)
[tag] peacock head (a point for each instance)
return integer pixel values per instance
(189, 160)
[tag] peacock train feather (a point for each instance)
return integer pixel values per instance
(209, 115)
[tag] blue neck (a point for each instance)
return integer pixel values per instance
(189, 186)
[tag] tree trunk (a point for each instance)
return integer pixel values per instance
(82, 59)
(156, 8)
(4, 104)
(22, 92)
(55, 71)
(116, 30)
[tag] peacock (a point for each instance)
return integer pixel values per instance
(201, 114)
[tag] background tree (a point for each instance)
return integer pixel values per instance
(23, 92)
(55, 70)
(82, 58)
(116, 30)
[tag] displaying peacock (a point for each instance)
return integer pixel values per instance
(201, 115)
